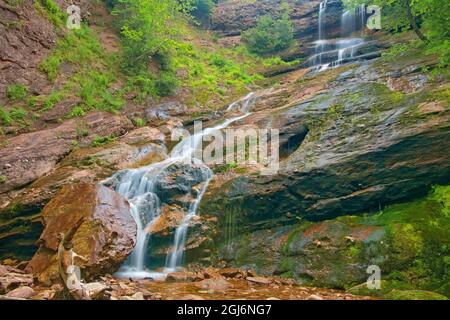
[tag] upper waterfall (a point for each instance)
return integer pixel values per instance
(334, 52)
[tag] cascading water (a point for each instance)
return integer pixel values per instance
(334, 52)
(139, 186)
(319, 43)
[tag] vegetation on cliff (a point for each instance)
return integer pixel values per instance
(270, 35)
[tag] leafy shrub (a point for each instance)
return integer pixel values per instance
(77, 112)
(269, 35)
(165, 84)
(16, 92)
(5, 117)
(51, 11)
(99, 141)
(139, 122)
(203, 10)
(18, 113)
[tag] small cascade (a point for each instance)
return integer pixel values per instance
(139, 186)
(331, 53)
(175, 259)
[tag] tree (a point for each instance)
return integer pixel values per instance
(270, 35)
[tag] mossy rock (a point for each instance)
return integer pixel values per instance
(386, 287)
(414, 295)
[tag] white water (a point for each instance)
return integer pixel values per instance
(138, 186)
(336, 51)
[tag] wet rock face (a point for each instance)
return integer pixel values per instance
(334, 254)
(365, 146)
(179, 180)
(104, 231)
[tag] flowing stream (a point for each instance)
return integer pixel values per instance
(139, 186)
(331, 53)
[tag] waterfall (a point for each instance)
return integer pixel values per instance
(334, 52)
(322, 9)
(319, 43)
(139, 187)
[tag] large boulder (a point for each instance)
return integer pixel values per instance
(104, 231)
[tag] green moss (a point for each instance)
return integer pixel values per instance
(414, 295)
(5, 117)
(2, 179)
(51, 11)
(139, 122)
(77, 112)
(101, 141)
(294, 234)
(411, 245)
(18, 113)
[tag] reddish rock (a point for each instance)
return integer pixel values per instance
(30, 156)
(22, 293)
(144, 135)
(260, 280)
(105, 231)
(11, 278)
(216, 284)
(231, 273)
(183, 277)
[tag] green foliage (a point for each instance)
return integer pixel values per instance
(15, 114)
(93, 79)
(430, 16)
(413, 295)
(77, 112)
(16, 92)
(147, 27)
(161, 54)
(50, 66)
(18, 113)
(99, 141)
(5, 117)
(51, 11)
(395, 51)
(165, 84)
(202, 10)
(79, 47)
(269, 35)
(417, 234)
(2, 179)
(139, 122)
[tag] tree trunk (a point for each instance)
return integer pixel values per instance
(413, 22)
